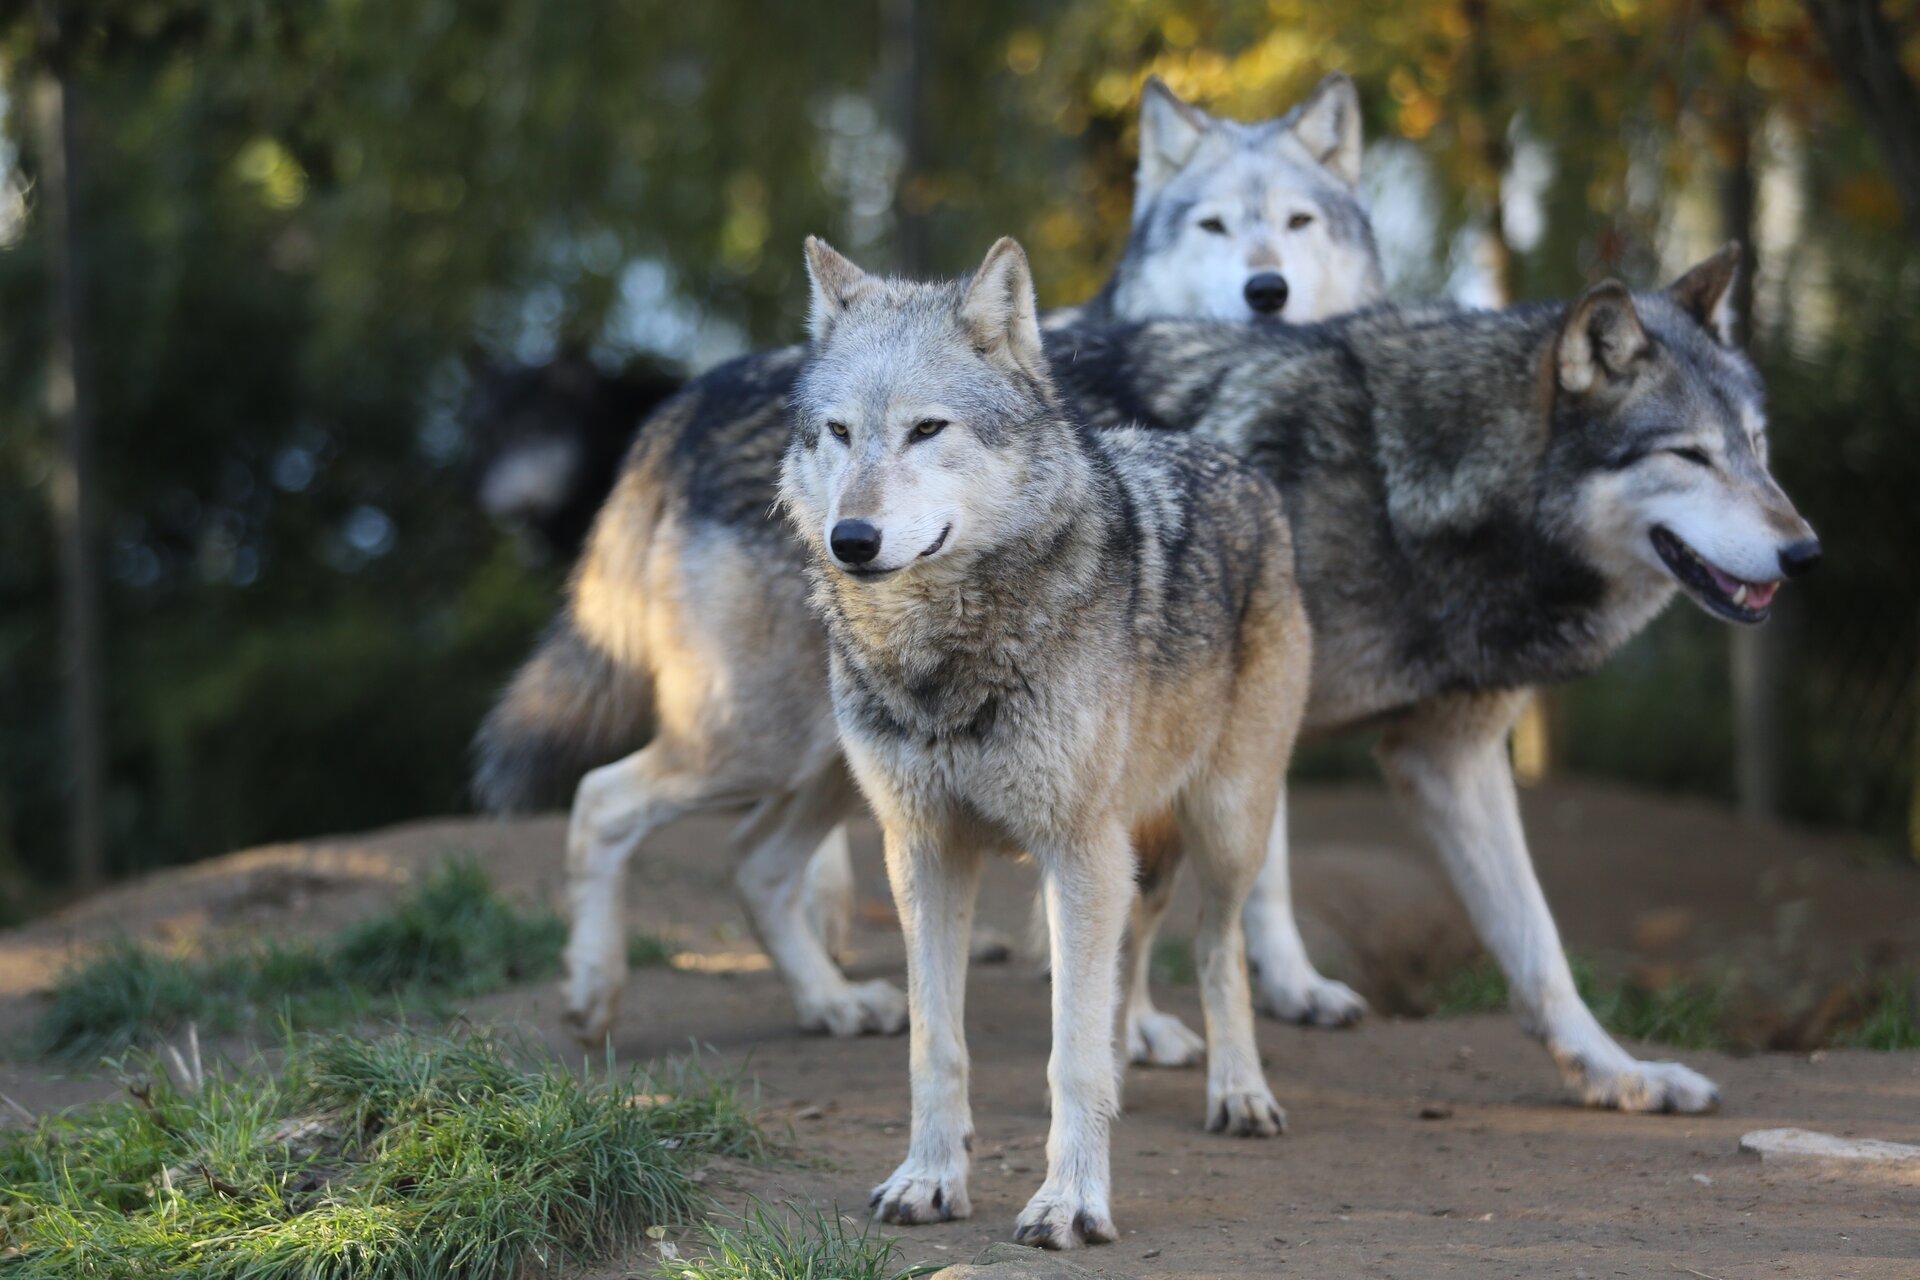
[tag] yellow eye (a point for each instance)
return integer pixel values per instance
(1299, 220)
(928, 428)
(839, 430)
(1214, 225)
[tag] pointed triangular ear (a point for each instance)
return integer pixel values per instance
(1706, 292)
(1327, 124)
(836, 283)
(999, 311)
(1169, 131)
(1599, 338)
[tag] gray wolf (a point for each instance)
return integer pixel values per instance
(1038, 636)
(628, 660)
(1482, 502)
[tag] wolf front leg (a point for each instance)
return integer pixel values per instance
(1448, 760)
(934, 886)
(1089, 889)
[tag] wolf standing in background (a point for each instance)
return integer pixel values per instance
(684, 577)
(1038, 636)
(1482, 502)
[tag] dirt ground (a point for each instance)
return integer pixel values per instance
(1418, 1148)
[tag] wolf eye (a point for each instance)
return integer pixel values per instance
(1299, 220)
(839, 430)
(1695, 456)
(928, 428)
(1214, 225)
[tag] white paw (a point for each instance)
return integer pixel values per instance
(1058, 1219)
(1156, 1039)
(864, 1008)
(1245, 1113)
(917, 1193)
(592, 992)
(1640, 1086)
(1308, 999)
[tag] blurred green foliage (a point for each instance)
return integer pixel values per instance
(297, 216)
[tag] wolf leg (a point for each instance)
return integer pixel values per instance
(779, 843)
(830, 892)
(614, 810)
(1154, 1039)
(935, 886)
(1224, 821)
(1088, 889)
(1449, 761)
(1286, 984)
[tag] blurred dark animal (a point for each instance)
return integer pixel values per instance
(547, 441)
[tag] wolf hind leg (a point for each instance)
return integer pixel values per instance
(1154, 1038)
(830, 893)
(615, 809)
(1224, 820)
(778, 843)
(1285, 983)
(1449, 763)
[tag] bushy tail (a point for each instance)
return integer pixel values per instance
(570, 708)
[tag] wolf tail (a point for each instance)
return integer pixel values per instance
(571, 707)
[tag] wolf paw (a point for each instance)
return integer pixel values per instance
(1062, 1220)
(916, 1194)
(1245, 1113)
(1643, 1086)
(1156, 1039)
(592, 995)
(1310, 1000)
(864, 1008)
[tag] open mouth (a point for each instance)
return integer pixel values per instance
(1717, 591)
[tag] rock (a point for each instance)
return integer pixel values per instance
(1805, 1144)
(1004, 1261)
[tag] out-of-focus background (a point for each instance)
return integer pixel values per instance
(266, 268)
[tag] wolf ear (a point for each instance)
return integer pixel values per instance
(1169, 131)
(999, 311)
(1706, 292)
(1600, 337)
(836, 283)
(1327, 124)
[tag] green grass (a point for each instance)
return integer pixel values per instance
(1892, 1016)
(451, 936)
(797, 1244)
(406, 1157)
(1692, 1013)
(1173, 963)
(646, 951)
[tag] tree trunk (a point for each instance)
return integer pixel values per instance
(900, 67)
(70, 403)
(1756, 651)
(1865, 52)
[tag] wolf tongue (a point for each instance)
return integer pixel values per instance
(1760, 596)
(1726, 582)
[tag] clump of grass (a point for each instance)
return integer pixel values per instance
(647, 951)
(452, 936)
(1692, 1013)
(798, 1244)
(1891, 1019)
(406, 1156)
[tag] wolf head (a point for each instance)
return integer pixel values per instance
(1239, 221)
(1656, 406)
(925, 424)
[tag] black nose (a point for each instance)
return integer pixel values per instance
(855, 541)
(1267, 293)
(1800, 557)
